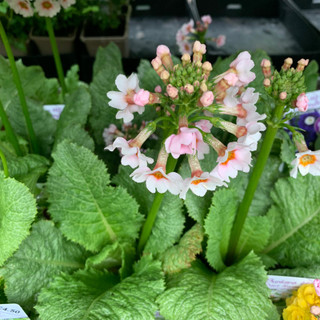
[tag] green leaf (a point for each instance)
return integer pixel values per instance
(89, 211)
(72, 79)
(287, 148)
(218, 226)
(301, 272)
(180, 256)
(97, 295)
(3, 298)
(237, 293)
(170, 220)
(148, 78)
(17, 212)
(311, 76)
(295, 221)
(42, 256)
(73, 119)
(106, 68)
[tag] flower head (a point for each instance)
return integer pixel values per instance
(22, 7)
(302, 102)
(67, 3)
(306, 162)
(47, 8)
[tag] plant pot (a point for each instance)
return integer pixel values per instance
(16, 51)
(65, 44)
(122, 41)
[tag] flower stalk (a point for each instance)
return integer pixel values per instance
(253, 183)
(16, 78)
(4, 164)
(56, 55)
(9, 131)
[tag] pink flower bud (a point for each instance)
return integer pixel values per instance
(267, 82)
(207, 98)
(283, 95)
(158, 89)
(302, 63)
(156, 63)
(199, 47)
(207, 66)
(231, 78)
(163, 50)
(316, 284)
(287, 63)
(186, 59)
(302, 102)
(189, 88)
(265, 63)
(141, 98)
(206, 19)
(172, 91)
(221, 40)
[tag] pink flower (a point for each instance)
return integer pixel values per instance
(242, 66)
(141, 98)
(231, 78)
(204, 125)
(22, 7)
(306, 162)
(185, 47)
(158, 180)
(187, 27)
(316, 284)
(221, 40)
(172, 92)
(199, 185)
(188, 141)
(206, 19)
(253, 135)
(302, 102)
(237, 157)
(158, 89)
(315, 310)
(47, 8)
(207, 98)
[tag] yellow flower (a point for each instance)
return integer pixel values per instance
(308, 293)
(294, 312)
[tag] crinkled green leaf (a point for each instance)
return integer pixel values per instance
(72, 121)
(41, 256)
(288, 148)
(181, 255)
(218, 226)
(3, 298)
(96, 295)
(301, 272)
(89, 211)
(17, 212)
(106, 68)
(237, 293)
(311, 76)
(295, 222)
(72, 79)
(170, 220)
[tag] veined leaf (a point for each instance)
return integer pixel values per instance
(170, 220)
(98, 295)
(237, 293)
(73, 119)
(181, 255)
(42, 256)
(295, 221)
(17, 212)
(89, 211)
(301, 272)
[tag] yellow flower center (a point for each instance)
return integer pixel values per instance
(231, 156)
(23, 5)
(307, 159)
(158, 175)
(47, 5)
(196, 182)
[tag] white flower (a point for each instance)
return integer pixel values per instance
(109, 133)
(22, 7)
(67, 3)
(158, 180)
(253, 135)
(123, 99)
(306, 162)
(200, 185)
(47, 8)
(131, 156)
(237, 157)
(230, 99)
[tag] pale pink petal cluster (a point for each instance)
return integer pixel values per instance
(237, 157)
(204, 125)
(158, 180)
(67, 3)
(124, 98)
(206, 19)
(199, 185)
(141, 98)
(306, 162)
(302, 102)
(47, 8)
(220, 41)
(22, 7)
(187, 141)
(253, 134)
(109, 134)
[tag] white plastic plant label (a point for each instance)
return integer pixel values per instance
(11, 312)
(282, 287)
(314, 100)
(54, 109)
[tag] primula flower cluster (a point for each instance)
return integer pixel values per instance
(44, 8)
(189, 32)
(189, 104)
(304, 303)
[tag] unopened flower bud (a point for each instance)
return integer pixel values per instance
(207, 67)
(203, 87)
(165, 75)
(172, 91)
(198, 64)
(287, 64)
(302, 102)
(158, 89)
(267, 82)
(302, 63)
(189, 88)
(283, 95)
(141, 98)
(186, 59)
(231, 78)
(266, 68)
(207, 98)
(164, 54)
(198, 51)
(157, 65)
(196, 83)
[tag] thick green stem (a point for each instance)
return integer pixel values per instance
(253, 184)
(4, 164)
(9, 131)
(16, 78)
(56, 55)
(148, 225)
